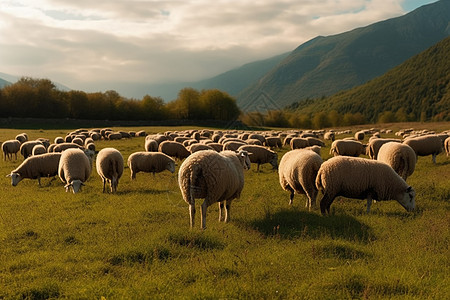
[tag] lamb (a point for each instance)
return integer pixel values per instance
(400, 157)
(151, 145)
(9, 148)
(360, 178)
(26, 149)
(425, 145)
(38, 149)
(374, 145)
(173, 149)
(347, 148)
(215, 177)
(109, 165)
(297, 173)
(261, 155)
(447, 146)
(74, 169)
(35, 167)
(152, 162)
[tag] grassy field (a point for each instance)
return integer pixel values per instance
(136, 244)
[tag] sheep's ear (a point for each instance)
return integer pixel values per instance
(82, 183)
(409, 189)
(9, 175)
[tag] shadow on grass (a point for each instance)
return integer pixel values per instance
(289, 224)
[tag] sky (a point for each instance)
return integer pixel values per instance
(104, 44)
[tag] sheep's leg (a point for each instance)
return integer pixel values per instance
(39, 181)
(104, 184)
(227, 211)
(221, 206)
(192, 214)
(433, 157)
(257, 169)
(325, 204)
(291, 197)
(311, 199)
(369, 203)
(203, 212)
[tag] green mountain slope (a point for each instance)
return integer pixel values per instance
(326, 65)
(418, 88)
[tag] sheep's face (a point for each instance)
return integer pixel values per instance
(15, 178)
(171, 166)
(274, 160)
(244, 157)
(114, 183)
(75, 185)
(408, 199)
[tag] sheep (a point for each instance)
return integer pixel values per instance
(425, 145)
(375, 144)
(216, 146)
(314, 148)
(447, 146)
(22, 137)
(109, 165)
(273, 142)
(329, 135)
(9, 148)
(65, 146)
(38, 149)
(233, 145)
(215, 177)
(26, 149)
(35, 167)
(174, 149)
(298, 143)
(347, 148)
(59, 140)
(359, 136)
(315, 142)
(361, 178)
(151, 145)
(74, 169)
(141, 133)
(253, 142)
(151, 162)
(297, 173)
(199, 147)
(400, 157)
(261, 155)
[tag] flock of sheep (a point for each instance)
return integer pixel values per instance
(213, 163)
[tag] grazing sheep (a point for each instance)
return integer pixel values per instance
(288, 138)
(347, 148)
(22, 137)
(273, 142)
(425, 145)
(215, 177)
(151, 145)
(150, 162)
(59, 140)
(109, 166)
(141, 133)
(74, 169)
(360, 178)
(315, 142)
(9, 148)
(375, 144)
(298, 143)
(233, 145)
(314, 148)
(38, 149)
(216, 146)
(253, 142)
(359, 136)
(35, 167)
(260, 155)
(259, 137)
(447, 146)
(26, 149)
(174, 149)
(65, 146)
(297, 173)
(199, 147)
(329, 135)
(400, 157)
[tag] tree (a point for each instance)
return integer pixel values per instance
(218, 105)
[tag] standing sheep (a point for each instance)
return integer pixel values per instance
(447, 146)
(298, 143)
(151, 162)
(151, 145)
(359, 136)
(400, 157)
(38, 149)
(174, 149)
(425, 145)
(360, 178)
(74, 169)
(374, 145)
(347, 148)
(261, 155)
(273, 142)
(26, 149)
(297, 173)
(109, 165)
(35, 167)
(9, 148)
(215, 177)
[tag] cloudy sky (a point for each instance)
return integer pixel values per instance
(102, 44)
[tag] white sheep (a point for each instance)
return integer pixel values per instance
(360, 178)
(374, 145)
(173, 149)
(109, 165)
(298, 143)
(38, 150)
(215, 177)
(74, 169)
(400, 157)
(425, 145)
(297, 173)
(26, 149)
(151, 162)
(260, 155)
(35, 167)
(347, 148)
(151, 145)
(9, 148)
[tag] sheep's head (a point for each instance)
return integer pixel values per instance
(114, 184)
(274, 160)
(75, 185)
(171, 166)
(15, 178)
(244, 158)
(408, 199)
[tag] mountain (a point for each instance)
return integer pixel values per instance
(232, 82)
(326, 65)
(418, 88)
(4, 83)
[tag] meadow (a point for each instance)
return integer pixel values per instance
(137, 244)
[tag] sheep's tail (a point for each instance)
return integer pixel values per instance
(319, 184)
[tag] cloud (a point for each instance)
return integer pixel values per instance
(83, 43)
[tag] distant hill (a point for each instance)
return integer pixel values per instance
(4, 83)
(420, 87)
(326, 65)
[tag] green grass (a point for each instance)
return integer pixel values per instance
(137, 244)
